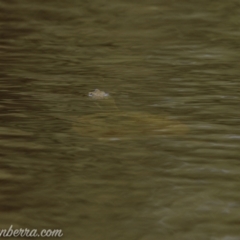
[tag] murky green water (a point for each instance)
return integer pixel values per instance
(177, 59)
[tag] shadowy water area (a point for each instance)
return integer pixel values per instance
(160, 160)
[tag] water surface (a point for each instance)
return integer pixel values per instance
(167, 58)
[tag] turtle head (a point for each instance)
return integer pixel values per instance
(97, 94)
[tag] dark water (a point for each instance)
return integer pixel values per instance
(177, 58)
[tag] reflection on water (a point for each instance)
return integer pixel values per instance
(174, 60)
